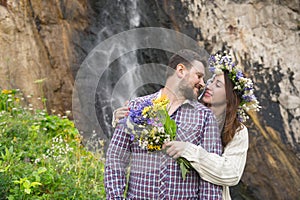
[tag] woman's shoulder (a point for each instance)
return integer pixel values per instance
(239, 140)
(242, 132)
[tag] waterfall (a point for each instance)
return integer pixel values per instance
(127, 62)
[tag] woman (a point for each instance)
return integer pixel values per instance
(229, 94)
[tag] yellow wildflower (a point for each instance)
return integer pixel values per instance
(162, 101)
(146, 110)
(6, 91)
(151, 147)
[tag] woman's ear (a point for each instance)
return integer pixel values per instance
(180, 70)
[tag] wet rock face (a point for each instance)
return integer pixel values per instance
(265, 40)
(42, 40)
(265, 37)
(48, 41)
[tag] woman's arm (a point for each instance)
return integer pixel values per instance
(221, 170)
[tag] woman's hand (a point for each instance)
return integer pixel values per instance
(175, 148)
(120, 113)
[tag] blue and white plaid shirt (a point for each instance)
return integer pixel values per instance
(155, 175)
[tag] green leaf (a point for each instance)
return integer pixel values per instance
(27, 190)
(10, 197)
(16, 182)
(183, 169)
(170, 126)
(33, 184)
(42, 170)
(26, 184)
(185, 166)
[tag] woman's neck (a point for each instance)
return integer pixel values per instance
(220, 113)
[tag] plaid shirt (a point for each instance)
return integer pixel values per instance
(155, 175)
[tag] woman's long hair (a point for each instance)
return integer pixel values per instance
(232, 123)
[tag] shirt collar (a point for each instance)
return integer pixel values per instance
(187, 101)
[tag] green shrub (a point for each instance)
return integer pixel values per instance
(42, 156)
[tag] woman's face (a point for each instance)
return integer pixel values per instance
(215, 93)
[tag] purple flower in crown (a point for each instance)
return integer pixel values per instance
(248, 98)
(239, 74)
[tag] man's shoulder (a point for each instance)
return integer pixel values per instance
(141, 99)
(199, 107)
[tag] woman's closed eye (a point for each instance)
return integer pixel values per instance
(219, 84)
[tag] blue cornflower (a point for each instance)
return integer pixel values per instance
(136, 114)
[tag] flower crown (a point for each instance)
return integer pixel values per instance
(221, 62)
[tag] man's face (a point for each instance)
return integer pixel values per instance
(190, 85)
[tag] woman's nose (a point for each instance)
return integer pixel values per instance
(209, 85)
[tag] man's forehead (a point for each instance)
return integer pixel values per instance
(198, 66)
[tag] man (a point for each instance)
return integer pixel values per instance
(156, 175)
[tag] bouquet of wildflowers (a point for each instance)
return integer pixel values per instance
(151, 125)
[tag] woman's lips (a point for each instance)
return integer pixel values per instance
(207, 94)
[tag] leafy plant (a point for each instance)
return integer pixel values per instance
(42, 156)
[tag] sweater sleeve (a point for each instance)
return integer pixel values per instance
(223, 170)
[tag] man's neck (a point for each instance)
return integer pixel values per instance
(175, 99)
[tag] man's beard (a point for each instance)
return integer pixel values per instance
(186, 90)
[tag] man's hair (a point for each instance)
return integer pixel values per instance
(185, 57)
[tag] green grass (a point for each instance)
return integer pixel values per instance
(42, 156)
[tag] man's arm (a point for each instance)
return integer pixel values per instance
(117, 159)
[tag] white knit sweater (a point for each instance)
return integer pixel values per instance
(225, 170)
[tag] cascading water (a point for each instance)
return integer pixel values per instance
(126, 62)
(118, 81)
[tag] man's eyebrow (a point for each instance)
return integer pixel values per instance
(200, 73)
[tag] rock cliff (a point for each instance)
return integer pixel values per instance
(266, 36)
(41, 47)
(43, 43)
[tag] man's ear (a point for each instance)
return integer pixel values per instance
(180, 70)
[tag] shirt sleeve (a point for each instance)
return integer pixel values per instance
(223, 170)
(117, 159)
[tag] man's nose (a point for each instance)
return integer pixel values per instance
(202, 82)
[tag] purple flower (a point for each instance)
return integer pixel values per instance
(212, 69)
(212, 59)
(249, 98)
(135, 114)
(150, 121)
(131, 137)
(239, 74)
